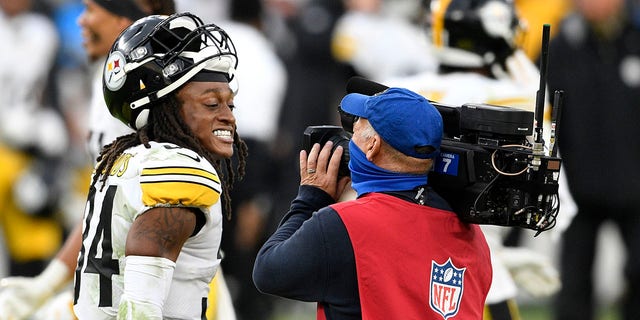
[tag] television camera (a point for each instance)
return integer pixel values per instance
(492, 167)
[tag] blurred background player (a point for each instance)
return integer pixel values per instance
(479, 60)
(357, 38)
(33, 139)
(595, 59)
(358, 31)
(101, 22)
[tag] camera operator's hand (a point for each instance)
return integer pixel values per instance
(320, 169)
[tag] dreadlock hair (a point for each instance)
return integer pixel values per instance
(165, 124)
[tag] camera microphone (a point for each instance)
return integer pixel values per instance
(364, 86)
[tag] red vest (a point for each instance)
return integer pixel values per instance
(415, 262)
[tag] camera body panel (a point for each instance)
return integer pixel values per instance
(489, 172)
(515, 194)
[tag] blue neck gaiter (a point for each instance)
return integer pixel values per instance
(367, 177)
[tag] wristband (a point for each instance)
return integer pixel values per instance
(146, 286)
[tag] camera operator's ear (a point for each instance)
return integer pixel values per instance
(373, 147)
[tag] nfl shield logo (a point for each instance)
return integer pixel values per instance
(447, 286)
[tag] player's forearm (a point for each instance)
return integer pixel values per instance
(68, 254)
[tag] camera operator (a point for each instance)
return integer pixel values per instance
(397, 249)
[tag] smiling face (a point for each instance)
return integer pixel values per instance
(207, 110)
(99, 29)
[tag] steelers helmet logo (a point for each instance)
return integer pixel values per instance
(114, 74)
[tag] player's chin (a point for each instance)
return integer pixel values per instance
(222, 150)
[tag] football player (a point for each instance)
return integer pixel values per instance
(153, 221)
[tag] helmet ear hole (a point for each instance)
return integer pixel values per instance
(142, 118)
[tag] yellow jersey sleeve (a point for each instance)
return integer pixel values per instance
(182, 178)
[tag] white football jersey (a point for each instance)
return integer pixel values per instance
(141, 179)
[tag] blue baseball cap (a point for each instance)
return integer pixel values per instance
(403, 118)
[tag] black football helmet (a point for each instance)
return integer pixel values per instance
(473, 33)
(157, 55)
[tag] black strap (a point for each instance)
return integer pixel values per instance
(124, 8)
(422, 195)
